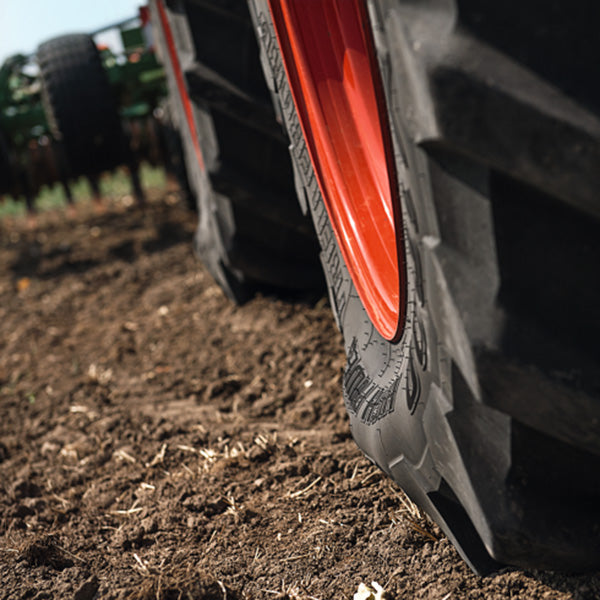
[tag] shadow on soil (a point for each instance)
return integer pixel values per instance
(43, 256)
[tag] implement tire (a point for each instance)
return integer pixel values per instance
(79, 104)
(6, 171)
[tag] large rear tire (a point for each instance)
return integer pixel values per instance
(251, 233)
(433, 409)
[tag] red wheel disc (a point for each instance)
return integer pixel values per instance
(332, 69)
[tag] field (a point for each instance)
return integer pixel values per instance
(159, 443)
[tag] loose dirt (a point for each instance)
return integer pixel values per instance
(158, 442)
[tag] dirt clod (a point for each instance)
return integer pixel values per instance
(46, 551)
(180, 583)
(88, 590)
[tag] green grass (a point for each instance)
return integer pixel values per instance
(111, 185)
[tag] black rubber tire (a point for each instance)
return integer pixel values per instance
(80, 106)
(251, 234)
(6, 176)
(172, 152)
(510, 476)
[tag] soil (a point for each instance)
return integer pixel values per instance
(158, 442)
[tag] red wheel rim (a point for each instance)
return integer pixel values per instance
(330, 62)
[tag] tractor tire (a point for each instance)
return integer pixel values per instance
(499, 447)
(79, 105)
(172, 153)
(251, 233)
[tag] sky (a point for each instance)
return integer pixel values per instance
(26, 23)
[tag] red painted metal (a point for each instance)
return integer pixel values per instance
(330, 62)
(144, 12)
(181, 87)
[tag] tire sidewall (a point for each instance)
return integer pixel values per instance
(386, 385)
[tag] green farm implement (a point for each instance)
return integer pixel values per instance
(79, 107)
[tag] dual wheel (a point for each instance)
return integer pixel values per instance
(418, 246)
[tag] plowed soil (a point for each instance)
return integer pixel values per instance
(158, 442)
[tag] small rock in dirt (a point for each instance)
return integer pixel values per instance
(88, 590)
(166, 431)
(150, 525)
(101, 499)
(50, 449)
(215, 507)
(127, 539)
(120, 539)
(325, 465)
(194, 522)
(258, 454)
(284, 470)
(193, 503)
